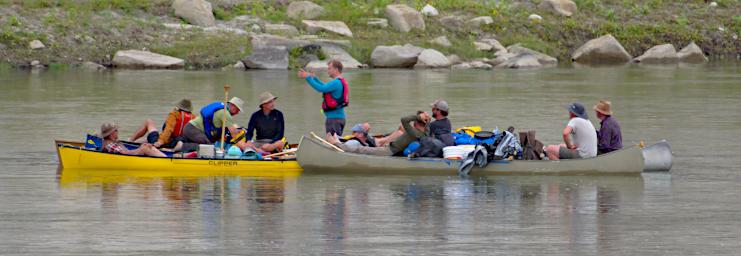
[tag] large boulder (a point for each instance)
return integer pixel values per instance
(92, 66)
(523, 60)
(480, 21)
(267, 57)
(404, 18)
(543, 59)
(561, 7)
(441, 41)
(395, 56)
(196, 12)
(496, 46)
(659, 54)
(453, 23)
(692, 54)
(36, 44)
(337, 27)
(142, 59)
(281, 29)
(430, 58)
(489, 44)
(602, 50)
(272, 40)
(304, 10)
(337, 53)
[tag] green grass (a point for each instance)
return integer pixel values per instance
(207, 51)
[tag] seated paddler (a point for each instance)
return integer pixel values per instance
(415, 127)
(206, 128)
(267, 126)
(172, 136)
(360, 136)
(111, 144)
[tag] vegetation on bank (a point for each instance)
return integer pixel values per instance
(93, 30)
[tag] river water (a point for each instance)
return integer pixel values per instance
(694, 209)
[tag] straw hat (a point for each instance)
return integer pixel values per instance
(237, 102)
(107, 129)
(184, 105)
(266, 97)
(604, 107)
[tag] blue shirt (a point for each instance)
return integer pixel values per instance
(335, 88)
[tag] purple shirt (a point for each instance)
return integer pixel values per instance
(609, 137)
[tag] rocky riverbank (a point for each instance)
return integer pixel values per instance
(281, 34)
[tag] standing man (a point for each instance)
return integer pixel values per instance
(584, 142)
(268, 125)
(206, 128)
(441, 128)
(609, 136)
(335, 96)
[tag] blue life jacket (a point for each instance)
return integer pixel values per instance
(207, 114)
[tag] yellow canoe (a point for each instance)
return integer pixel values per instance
(72, 155)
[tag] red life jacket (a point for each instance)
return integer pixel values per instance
(330, 103)
(180, 123)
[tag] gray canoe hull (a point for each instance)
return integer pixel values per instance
(316, 157)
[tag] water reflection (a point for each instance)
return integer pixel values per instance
(369, 212)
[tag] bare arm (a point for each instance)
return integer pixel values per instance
(566, 138)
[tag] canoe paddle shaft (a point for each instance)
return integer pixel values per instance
(223, 118)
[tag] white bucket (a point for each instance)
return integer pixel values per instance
(457, 152)
(206, 151)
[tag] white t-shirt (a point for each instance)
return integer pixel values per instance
(584, 136)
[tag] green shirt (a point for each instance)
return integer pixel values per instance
(218, 116)
(410, 135)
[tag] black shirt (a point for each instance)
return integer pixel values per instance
(269, 126)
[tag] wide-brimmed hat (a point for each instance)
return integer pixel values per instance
(440, 104)
(578, 110)
(604, 107)
(107, 128)
(237, 102)
(266, 97)
(184, 105)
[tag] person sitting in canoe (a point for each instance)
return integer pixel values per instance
(584, 144)
(268, 126)
(441, 128)
(360, 136)
(609, 137)
(206, 128)
(412, 132)
(109, 133)
(172, 136)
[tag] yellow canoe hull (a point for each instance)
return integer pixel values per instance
(71, 157)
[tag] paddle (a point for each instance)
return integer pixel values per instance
(290, 151)
(326, 142)
(223, 119)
